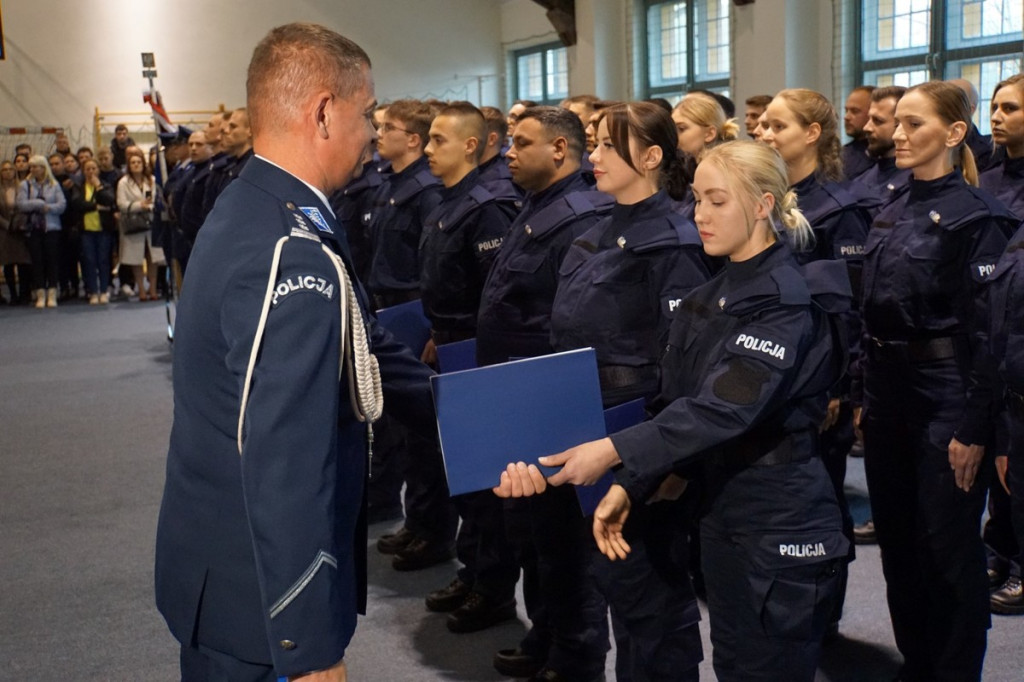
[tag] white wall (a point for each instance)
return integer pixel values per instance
(64, 58)
(781, 44)
(451, 49)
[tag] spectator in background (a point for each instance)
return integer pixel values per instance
(98, 202)
(135, 195)
(61, 144)
(14, 256)
(42, 198)
(71, 228)
(21, 166)
(120, 144)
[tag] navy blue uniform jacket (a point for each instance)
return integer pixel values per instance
(515, 307)
(749, 359)
(260, 555)
(928, 256)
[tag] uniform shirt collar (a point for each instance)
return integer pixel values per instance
(320, 195)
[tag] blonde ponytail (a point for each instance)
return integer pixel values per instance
(730, 130)
(792, 218)
(968, 167)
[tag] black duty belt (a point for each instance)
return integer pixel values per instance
(914, 351)
(621, 376)
(1014, 404)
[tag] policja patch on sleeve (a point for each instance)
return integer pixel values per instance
(309, 283)
(761, 346)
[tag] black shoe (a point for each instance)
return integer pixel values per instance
(479, 613)
(998, 570)
(421, 553)
(864, 534)
(448, 598)
(1008, 600)
(390, 543)
(517, 663)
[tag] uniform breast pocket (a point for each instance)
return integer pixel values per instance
(575, 258)
(628, 294)
(931, 267)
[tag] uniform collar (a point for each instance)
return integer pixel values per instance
(743, 270)
(573, 182)
(461, 187)
(320, 195)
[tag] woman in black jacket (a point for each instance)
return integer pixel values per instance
(96, 201)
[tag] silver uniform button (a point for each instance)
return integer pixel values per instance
(392, 201)
(721, 303)
(287, 644)
(621, 241)
(529, 230)
(934, 215)
(290, 206)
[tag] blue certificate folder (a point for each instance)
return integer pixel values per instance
(457, 356)
(407, 323)
(515, 411)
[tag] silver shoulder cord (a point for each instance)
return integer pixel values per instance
(364, 385)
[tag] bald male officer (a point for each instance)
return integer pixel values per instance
(260, 564)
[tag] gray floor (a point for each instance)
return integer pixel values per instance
(85, 405)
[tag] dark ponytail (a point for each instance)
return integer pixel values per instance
(676, 176)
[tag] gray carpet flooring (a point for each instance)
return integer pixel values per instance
(85, 411)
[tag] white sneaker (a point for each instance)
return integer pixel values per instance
(104, 298)
(127, 291)
(94, 299)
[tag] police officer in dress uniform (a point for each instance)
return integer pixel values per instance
(259, 558)
(190, 207)
(927, 402)
(568, 636)
(619, 287)
(750, 357)
(236, 141)
(460, 240)
(1006, 182)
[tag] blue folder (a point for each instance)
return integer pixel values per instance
(515, 411)
(407, 323)
(455, 357)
